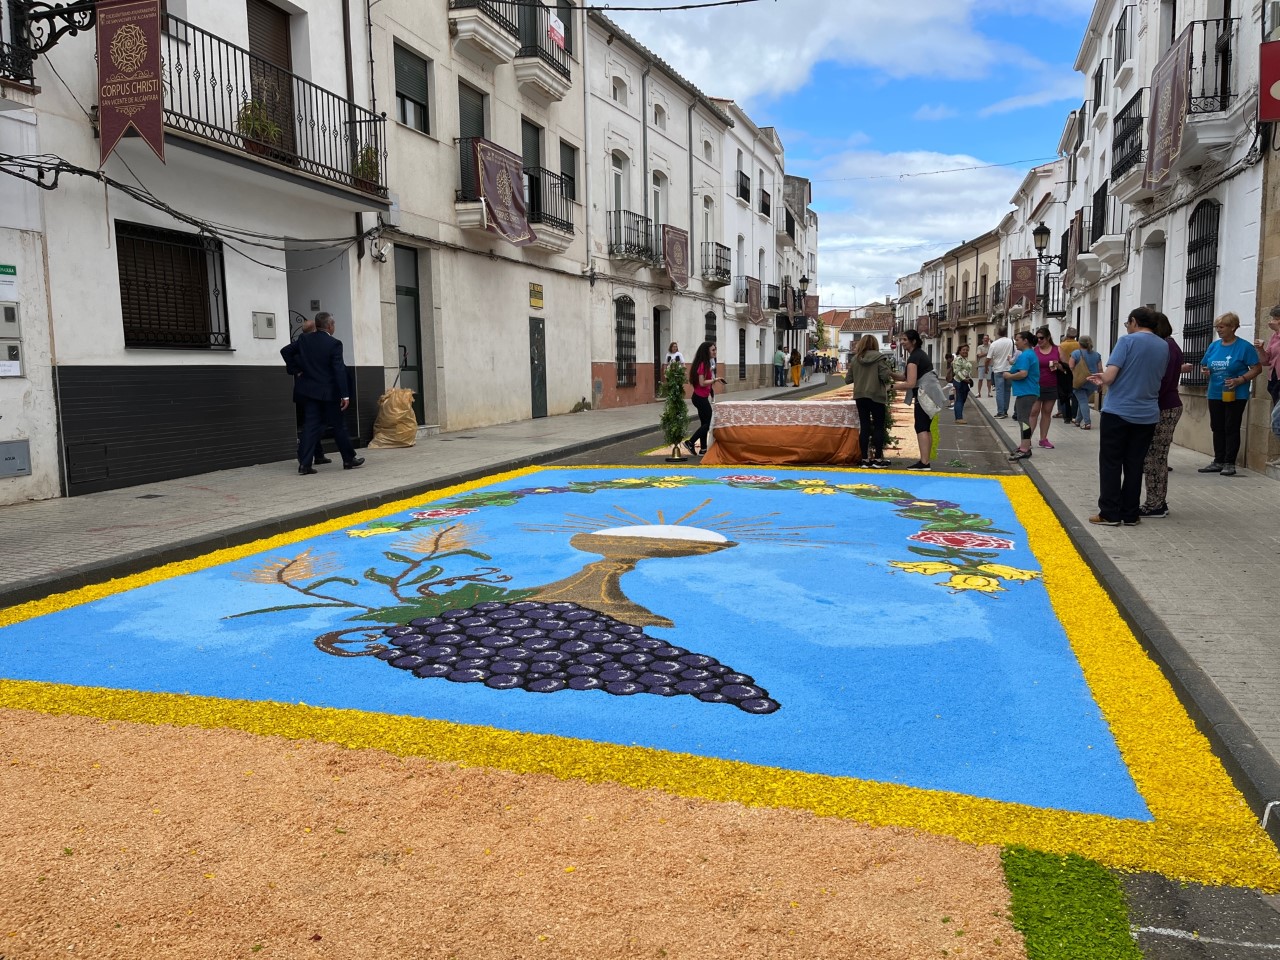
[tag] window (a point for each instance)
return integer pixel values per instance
(411, 90)
(659, 116)
(742, 255)
(813, 264)
(624, 315)
(708, 220)
(564, 10)
(171, 287)
(1202, 285)
(709, 327)
(569, 170)
(620, 188)
(471, 111)
(760, 275)
(742, 353)
(708, 152)
(620, 91)
(659, 199)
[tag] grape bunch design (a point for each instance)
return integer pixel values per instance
(546, 647)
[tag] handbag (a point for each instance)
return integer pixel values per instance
(930, 395)
(1080, 372)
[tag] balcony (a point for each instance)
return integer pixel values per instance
(1084, 145)
(541, 65)
(548, 206)
(1086, 266)
(766, 204)
(485, 31)
(772, 296)
(1213, 100)
(1109, 222)
(1128, 151)
(1123, 53)
(740, 289)
(787, 229)
(744, 188)
(17, 64)
(631, 238)
(716, 264)
(1052, 301)
(221, 93)
(1101, 105)
(468, 201)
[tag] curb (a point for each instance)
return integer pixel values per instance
(1255, 772)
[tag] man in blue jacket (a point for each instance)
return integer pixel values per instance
(321, 384)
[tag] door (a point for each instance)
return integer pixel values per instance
(531, 153)
(660, 344)
(408, 326)
(538, 366)
(271, 78)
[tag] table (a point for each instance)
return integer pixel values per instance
(784, 431)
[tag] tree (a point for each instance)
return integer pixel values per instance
(820, 334)
(675, 412)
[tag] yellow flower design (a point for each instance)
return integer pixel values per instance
(666, 486)
(812, 483)
(679, 479)
(969, 581)
(1008, 573)
(818, 490)
(927, 567)
(630, 481)
(371, 531)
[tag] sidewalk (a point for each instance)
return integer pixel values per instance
(55, 545)
(1199, 586)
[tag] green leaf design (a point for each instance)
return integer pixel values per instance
(429, 574)
(376, 577)
(320, 583)
(433, 606)
(398, 557)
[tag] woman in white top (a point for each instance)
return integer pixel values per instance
(982, 368)
(673, 354)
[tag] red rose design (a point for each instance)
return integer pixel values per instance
(962, 540)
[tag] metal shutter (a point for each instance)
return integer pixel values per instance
(411, 76)
(269, 34)
(530, 143)
(470, 111)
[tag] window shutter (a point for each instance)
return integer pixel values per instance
(569, 169)
(564, 10)
(530, 144)
(269, 34)
(411, 76)
(470, 111)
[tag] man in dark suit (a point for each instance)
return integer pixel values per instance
(322, 386)
(308, 326)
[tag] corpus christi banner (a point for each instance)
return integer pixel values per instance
(675, 254)
(130, 91)
(1022, 283)
(755, 310)
(501, 176)
(1168, 109)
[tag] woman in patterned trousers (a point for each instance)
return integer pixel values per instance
(1155, 469)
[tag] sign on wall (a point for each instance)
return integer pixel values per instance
(1269, 81)
(535, 296)
(675, 254)
(1168, 109)
(130, 90)
(1022, 283)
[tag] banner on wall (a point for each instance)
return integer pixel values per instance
(1168, 109)
(675, 254)
(811, 307)
(130, 87)
(755, 309)
(1022, 283)
(501, 176)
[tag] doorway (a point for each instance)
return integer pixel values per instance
(538, 367)
(661, 340)
(408, 328)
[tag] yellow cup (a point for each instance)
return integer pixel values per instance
(1228, 395)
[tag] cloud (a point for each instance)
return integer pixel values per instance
(770, 49)
(1067, 86)
(884, 214)
(928, 112)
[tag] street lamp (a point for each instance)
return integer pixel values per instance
(1040, 236)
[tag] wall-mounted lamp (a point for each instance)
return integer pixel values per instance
(1040, 236)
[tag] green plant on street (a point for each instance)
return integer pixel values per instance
(675, 412)
(1067, 907)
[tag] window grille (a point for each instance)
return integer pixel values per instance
(742, 354)
(171, 288)
(624, 312)
(709, 333)
(1202, 286)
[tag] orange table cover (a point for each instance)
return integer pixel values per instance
(784, 431)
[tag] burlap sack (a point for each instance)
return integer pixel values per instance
(396, 426)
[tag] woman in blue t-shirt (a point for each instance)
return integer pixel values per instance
(1024, 378)
(1232, 364)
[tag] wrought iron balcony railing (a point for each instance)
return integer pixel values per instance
(220, 92)
(468, 175)
(16, 63)
(973, 306)
(505, 13)
(535, 38)
(789, 223)
(744, 187)
(772, 296)
(740, 289)
(630, 235)
(1123, 41)
(716, 262)
(766, 203)
(1128, 147)
(1110, 216)
(545, 198)
(1082, 239)
(1051, 299)
(997, 295)
(1211, 79)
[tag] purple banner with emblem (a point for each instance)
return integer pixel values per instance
(130, 89)
(1168, 109)
(1022, 283)
(675, 253)
(501, 176)
(755, 310)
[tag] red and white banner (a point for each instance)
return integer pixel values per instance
(555, 30)
(130, 88)
(1269, 81)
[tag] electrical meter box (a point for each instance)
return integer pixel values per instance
(264, 326)
(15, 458)
(11, 359)
(10, 328)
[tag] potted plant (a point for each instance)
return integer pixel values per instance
(367, 170)
(675, 411)
(257, 130)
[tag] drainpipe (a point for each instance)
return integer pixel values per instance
(689, 141)
(368, 23)
(351, 99)
(588, 159)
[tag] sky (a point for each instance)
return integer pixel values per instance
(872, 97)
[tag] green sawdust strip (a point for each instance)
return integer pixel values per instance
(1067, 907)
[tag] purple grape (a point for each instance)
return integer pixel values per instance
(585, 683)
(479, 633)
(423, 622)
(669, 653)
(693, 686)
(469, 676)
(553, 656)
(428, 670)
(509, 667)
(694, 674)
(735, 678)
(545, 685)
(759, 705)
(540, 643)
(598, 636)
(488, 606)
(472, 663)
(438, 628)
(563, 635)
(579, 614)
(397, 631)
(623, 688)
(542, 668)
(664, 691)
(576, 647)
(595, 659)
(504, 681)
(741, 691)
(551, 624)
(665, 666)
(525, 633)
(616, 674)
(616, 648)
(635, 659)
(582, 670)
(408, 639)
(696, 660)
(710, 696)
(438, 650)
(512, 624)
(455, 614)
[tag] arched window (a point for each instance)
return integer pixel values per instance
(742, 255)
(742, 353)
(620, 91)
(659, 211)
(1202, 285)
(708, 152)
(709, 327)
(760, 265)
(708, 220)
(624, 315)
(659, 116)
(620, 191)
